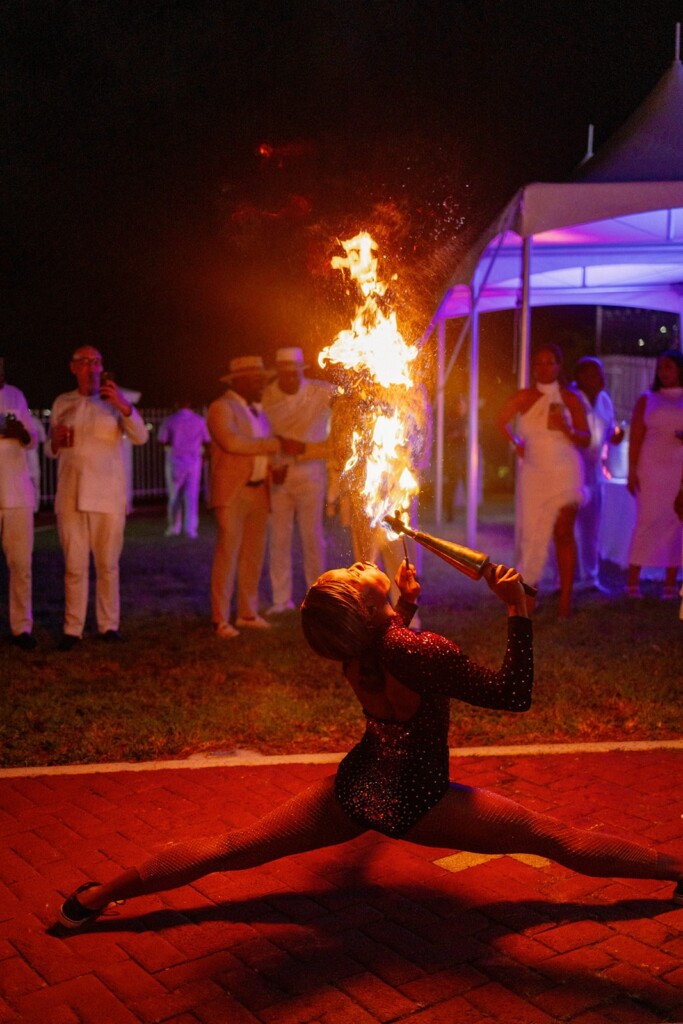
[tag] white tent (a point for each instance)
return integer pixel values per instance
(611, 236)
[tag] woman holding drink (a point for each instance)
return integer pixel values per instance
(551, 426)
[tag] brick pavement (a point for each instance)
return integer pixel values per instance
(374, 931)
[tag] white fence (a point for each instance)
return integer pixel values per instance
(144, 462)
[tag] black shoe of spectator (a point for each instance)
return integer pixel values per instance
(24, 641)
(111, 636)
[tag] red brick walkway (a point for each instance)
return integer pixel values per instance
(372, 931)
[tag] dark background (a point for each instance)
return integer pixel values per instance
(176, 174)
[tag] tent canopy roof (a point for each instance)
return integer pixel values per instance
(649, 145)
(612, 236)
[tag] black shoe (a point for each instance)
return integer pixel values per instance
(68, 641)
(24, 641)
(678, 894)
(110, 636)
(72, 914)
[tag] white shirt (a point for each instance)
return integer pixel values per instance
(601, 419)
(16, 488)
(185, 432)
(304, 416)
(259, 428)
(91, 476)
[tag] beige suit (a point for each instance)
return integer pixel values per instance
(239, 495)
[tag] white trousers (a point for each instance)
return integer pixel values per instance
(239, 553)
(183, 477)
(102, 534)
(16, 525)
(588, 533)
(300, 497)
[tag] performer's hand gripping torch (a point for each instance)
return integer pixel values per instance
(471, 563)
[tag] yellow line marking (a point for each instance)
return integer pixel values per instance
(462, 861)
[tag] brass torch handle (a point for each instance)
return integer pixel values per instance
(471, 563)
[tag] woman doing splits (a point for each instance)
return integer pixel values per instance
(395, 780)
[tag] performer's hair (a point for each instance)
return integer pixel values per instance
(335, 621)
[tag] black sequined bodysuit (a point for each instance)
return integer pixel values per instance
(399, 770)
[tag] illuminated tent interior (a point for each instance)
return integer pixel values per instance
(612, 236)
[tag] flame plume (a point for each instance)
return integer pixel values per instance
(377, 360)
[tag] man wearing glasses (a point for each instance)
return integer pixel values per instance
(86, 436)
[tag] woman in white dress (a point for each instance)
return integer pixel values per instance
(551, 426)
(655, 461)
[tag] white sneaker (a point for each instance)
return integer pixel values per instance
(278, 609)
(256, 623)
(225, 631)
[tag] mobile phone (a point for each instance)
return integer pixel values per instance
(105, 377)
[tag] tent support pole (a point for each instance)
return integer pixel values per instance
(524, 359)
(473, 468)
(440, 386)
(525, 345)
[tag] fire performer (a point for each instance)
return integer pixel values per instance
(395, 781)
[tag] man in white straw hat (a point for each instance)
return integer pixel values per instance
(299, 408)
(242, 440)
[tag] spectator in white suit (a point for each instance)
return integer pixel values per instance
(87, 429)
(16, 508)
(590, 387)
(298, 408)
(185, 437)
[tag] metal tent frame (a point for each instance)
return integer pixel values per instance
(612, 236)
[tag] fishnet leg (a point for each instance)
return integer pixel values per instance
(311, 820)
(480, 821)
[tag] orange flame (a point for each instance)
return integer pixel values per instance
(374, 350)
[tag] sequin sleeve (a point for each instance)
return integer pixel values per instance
(429, 663)
(406, 609)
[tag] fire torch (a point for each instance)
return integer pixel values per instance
(466, 560)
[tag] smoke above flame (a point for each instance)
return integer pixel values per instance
(377, 388)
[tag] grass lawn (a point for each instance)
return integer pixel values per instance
(612, 672)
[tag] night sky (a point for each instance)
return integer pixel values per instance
(175, 174)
